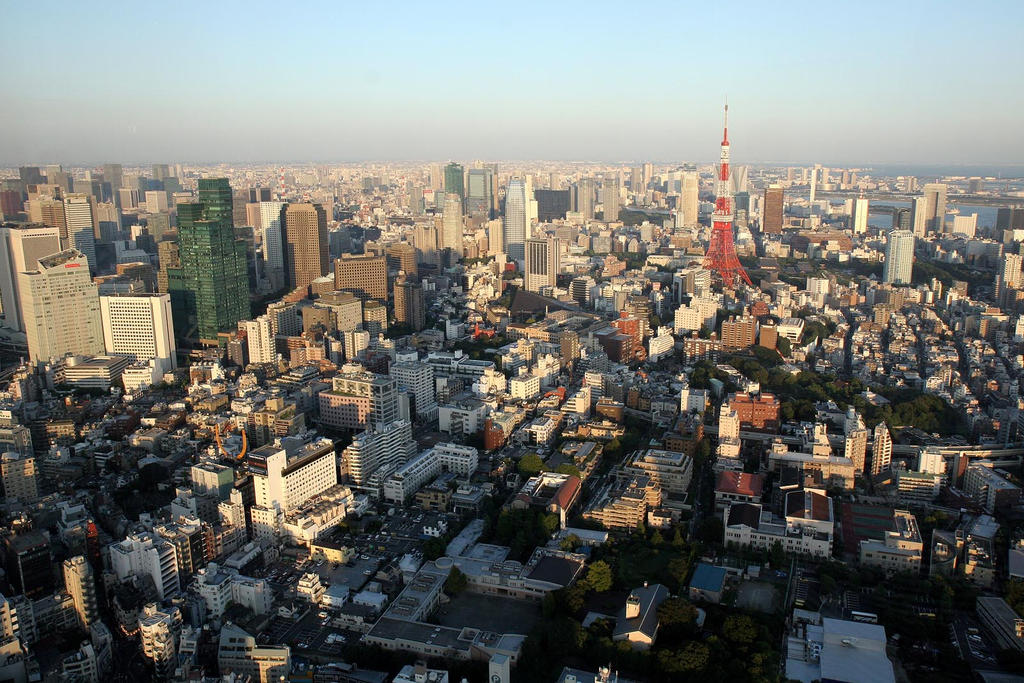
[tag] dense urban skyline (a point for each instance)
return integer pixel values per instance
(567, 81)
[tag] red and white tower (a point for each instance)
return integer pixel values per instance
(721, 256)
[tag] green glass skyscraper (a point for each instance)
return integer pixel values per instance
(210, 291)
(454, 181)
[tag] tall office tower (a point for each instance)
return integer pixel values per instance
(542, 263)
(366, 276)
(721, 255)
(515, 219)
(214, 280)
(935, 207)
(531, 204)
(161, 171)
(21, 247)
(30, 175)
(82, 226)
(49, 211)
(881, 449)
(140, 326)
(690, 204)
(435, 175)
(903, 219)
(272, 237)
(859, 219)
(259, 336)
(1008, 274)
(919, 216)
(410, 307)
(418, 379)
(29, 563)
(156, 201)
(285, 477)
(814, 181)
(899, 258)
(740, 178)
(81, 586)
(610, 198)
(169, 258)
(401, 257)
(425, 239)
(259, 194)
(648, 173)
(773, 216)
(451, 224)
(383, 447)
(495, 237)
(61, 307)
(127, 198)
(12, 203)
(479, 199)
(455, 181)
(1009, 218)
(583, 197)
(552, 205)
(18, 475)
(114, 174)
(636, 175)
(305, 231)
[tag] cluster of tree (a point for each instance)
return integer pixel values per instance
(531, 464)
(524, 530)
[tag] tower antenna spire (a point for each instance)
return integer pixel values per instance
(721, 254)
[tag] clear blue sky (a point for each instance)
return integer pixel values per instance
(854, 83)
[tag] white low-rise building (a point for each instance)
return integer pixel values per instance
(807, 528)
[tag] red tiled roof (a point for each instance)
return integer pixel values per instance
(740, 483)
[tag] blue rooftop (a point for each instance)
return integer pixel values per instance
(708, 578)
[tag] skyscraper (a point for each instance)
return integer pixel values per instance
(213, 278)
(114, 174)
(542, 263)
(454, 181)
(451, 224)
(60, 307)
(899, 258)
(1008, 273)
(859, 219)
(610, 197)
(479, 199)
(583, 197)
(881, 449)
(81, 586)
(935, 207)
(82, 226)
(919, 216)
(689, 200)
(140, 326)
(21, 247)
(773, 215)
(306, 255)
(402, 257)
(410, 308)
(515, 219)
(272, 237)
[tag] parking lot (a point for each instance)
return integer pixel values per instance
(308, 636)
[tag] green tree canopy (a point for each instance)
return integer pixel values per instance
(456, 582)
(531, 465)
(599, 577)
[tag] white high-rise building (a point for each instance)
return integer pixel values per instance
(79, 583)
(690, 204)
(860, 216)
(384, 448)
(80, 217)
(1008, 273)
(61, 307)
(272, 236)
(919, 216)
(287, 478)
(259, 336)
(139, 326)
(542, 263)
(881, 449)
(417, 378)
(159, 629)
(21, 247)
(899, 257)
(515, 220)
(610, 197)
(147, 554)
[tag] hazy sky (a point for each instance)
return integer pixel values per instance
(854, 83)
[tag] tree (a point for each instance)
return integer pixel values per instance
(599, 577)
(657, 538)
(679, 568)
(676, 611)
(711, 530)
(783, 346)
(778, 555)
(570, 543)
(456, 582)
(531, 465)
(739, 628)
(568, 468)
(678, 540)
(434, 548)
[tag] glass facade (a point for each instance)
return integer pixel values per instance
(211, 288)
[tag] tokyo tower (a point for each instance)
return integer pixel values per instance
(721, 256)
